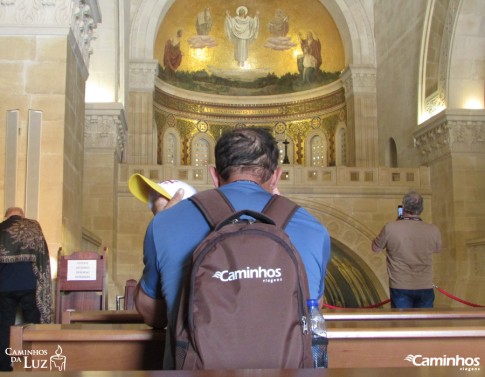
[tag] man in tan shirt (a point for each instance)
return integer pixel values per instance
(410, 243)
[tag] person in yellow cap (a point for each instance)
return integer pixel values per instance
(161, 195)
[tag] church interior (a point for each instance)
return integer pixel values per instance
(368, 99)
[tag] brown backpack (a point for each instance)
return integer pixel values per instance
(244, 303)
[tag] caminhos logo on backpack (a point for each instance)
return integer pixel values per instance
(268, 275)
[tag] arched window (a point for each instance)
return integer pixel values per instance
(318, 151)
(201, 155)
(170, 149)
(202, 150)
(391, 154)
(341, 146)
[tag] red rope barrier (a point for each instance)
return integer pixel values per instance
(365, 307)
(458, 299)
(441, 290)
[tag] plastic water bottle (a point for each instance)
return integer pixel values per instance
(319, 335)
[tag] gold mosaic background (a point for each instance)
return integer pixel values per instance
(304, 16)
(296, 131)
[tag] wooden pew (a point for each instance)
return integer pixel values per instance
(101, 316)
(87, 347)
(369, 338)
(354, 344)
(401, 314)
(376, 339)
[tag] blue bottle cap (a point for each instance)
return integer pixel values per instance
(312, 303)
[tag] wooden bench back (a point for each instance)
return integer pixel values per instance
(101, 316)
(88, 347)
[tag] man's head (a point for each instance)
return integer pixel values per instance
(14, 211)
(247, 153)
(412, 203)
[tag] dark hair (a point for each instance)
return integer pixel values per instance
(247, 150)
(412, 203)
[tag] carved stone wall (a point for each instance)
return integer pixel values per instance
(57, 17)
(451, 131)
(106, 128)
(453, 145)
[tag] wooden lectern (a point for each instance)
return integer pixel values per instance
(80, 281)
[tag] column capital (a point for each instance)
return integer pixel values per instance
(451, 131)
(142, 75)
(105, 127)
(359, 79)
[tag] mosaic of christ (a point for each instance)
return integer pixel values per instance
(248, 47)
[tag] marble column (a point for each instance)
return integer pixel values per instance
(142, 141)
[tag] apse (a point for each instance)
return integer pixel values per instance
(249, 48)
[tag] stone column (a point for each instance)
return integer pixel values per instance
(104, 146)
(46, 47)
(452, 143)
(142, 141)
(360, 93)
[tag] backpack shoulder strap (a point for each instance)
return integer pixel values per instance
(214, 206)
(280, 210)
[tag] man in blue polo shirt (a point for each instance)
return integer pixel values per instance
(246, 172)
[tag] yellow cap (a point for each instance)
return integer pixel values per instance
(140, 187)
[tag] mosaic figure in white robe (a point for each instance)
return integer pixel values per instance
(241, 30)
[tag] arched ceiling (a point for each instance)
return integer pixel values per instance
(351, 17)
(249, 48)
(276, 53)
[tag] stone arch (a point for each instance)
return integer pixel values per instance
(465, 86)
(354, 238)
(348, 281)
(356, 31)
(146, 22)
(456, 77)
